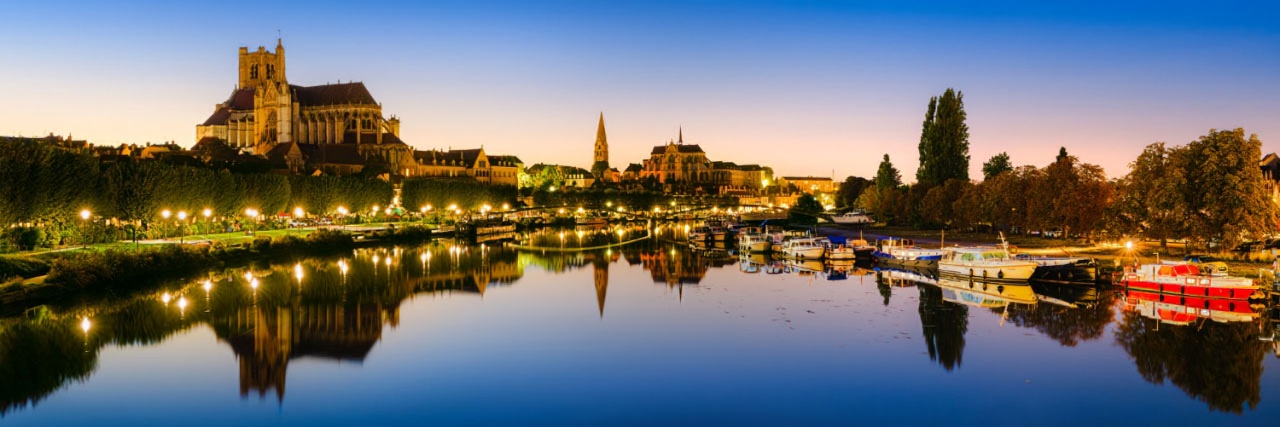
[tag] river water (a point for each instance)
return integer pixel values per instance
(650, 333)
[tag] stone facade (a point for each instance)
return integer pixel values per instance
(333, 128)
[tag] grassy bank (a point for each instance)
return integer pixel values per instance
(117, 271)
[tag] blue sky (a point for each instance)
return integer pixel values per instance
(811, 88)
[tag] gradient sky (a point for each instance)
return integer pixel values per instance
(810, 88)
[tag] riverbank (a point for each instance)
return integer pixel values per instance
(112, 271)
(1112, 254)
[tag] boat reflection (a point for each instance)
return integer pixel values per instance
(1181, 310)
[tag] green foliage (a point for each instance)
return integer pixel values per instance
(887, 176)
(1210, 189)
(25, 238)
(944, 140)
(467, 194)
(126, 269)
(998, 164)
(850, 190)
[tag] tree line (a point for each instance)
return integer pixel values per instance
(46, 188)
(1210, 191)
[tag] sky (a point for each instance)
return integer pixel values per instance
(809, 88)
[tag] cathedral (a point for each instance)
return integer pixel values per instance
(332, 128)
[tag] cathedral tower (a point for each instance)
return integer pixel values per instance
(601, 164)
(257, 69)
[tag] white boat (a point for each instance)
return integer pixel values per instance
(803, 248)
(852, 218)
(986, 262)
(754, 243)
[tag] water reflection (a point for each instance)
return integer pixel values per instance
(338, 308)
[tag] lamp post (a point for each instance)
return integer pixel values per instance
(297, 215)
(166, 214)
(182, 231)
(342, 216)
(84, 219)
(207, 213)
(253, 219)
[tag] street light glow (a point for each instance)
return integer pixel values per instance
(166, 214)
(297, 211)
(182, 215)
(85, 214)
(207, 212)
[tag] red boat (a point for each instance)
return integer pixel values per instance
(1175, 309)
(1186, 279)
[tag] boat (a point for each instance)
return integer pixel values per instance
(904, 253)
(1187, 280)
(852, 218)
(754, 243)
(1062, 269)
(838, 248)
(987, 262)
(1180, 310)
(803, 248)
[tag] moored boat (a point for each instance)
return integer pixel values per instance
(852, 218)
(904, 253)
(1062, 269)
(803, 248)
(838, 248)
(985, 262)
(1187, 280)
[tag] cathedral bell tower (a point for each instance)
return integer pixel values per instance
(263, 71)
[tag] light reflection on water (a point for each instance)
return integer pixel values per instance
(646, 333)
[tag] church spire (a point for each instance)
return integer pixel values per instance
(600, 162)
(681, 135)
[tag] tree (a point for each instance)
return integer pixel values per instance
(887, 177)
(807, 204)
(944, 140)
(998, 164)
(1149, 200)
(1226, 192)
(850, 190)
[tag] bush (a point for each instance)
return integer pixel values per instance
(261, 244)
(127, 269)
(26, 238)
(327, 237)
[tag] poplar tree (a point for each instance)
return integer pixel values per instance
(944, 140)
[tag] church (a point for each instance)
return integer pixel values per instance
(333, 128)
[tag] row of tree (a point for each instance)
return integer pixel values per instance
(1210, 191)
(42, 183)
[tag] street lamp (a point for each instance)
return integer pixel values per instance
(253, 218)
(182, 231)
(207, 213)
(297, 215)
(84, 219)
(166, 214)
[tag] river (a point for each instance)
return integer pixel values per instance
(649, 333)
